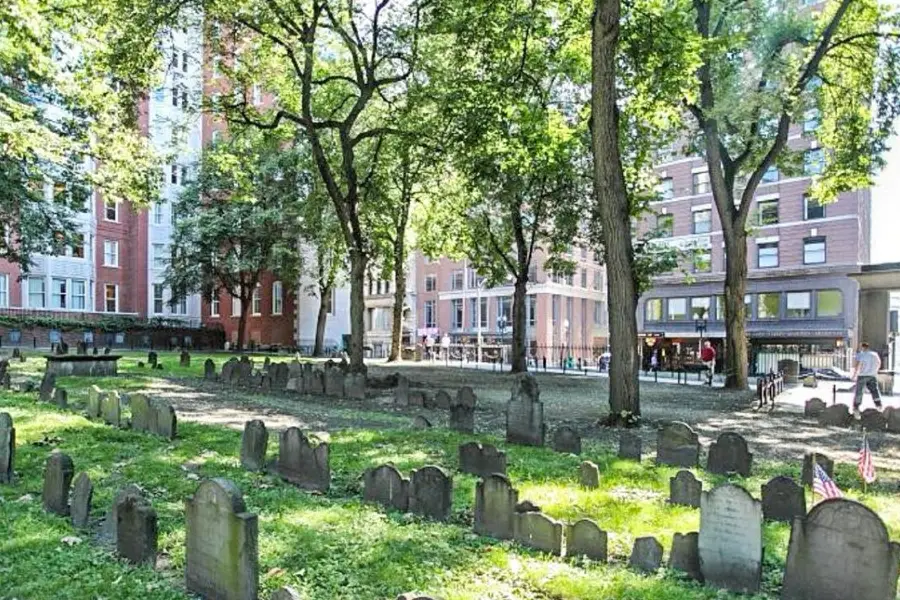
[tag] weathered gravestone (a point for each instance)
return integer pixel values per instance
(566, 440)
(481, 459)
(355, 386)
(783, 500)
(677, 445)
(136, 531)
(209, 370)
(401, 392)
(303, 463)
(730, 541)
(111, 408)
(525, 412)
(47, 385)
(685, 489)
(60, 397)
(814, 407)
(4, 374)
(685, 555)
(419, 398)
(229, 371)
(334, 382)
(142, 415)
(414, 596)
(495, 507)
(254, 442)
(242, 372)
(316, 382)
(806, 476)
(111, 520)
(386, 486)
(537, 530)
(462, 410)
(431, 493)
(151, 359)
(892, 417)
(82, 496)
(872, 419)
(589, 475)
(629, 446)
(442, 400)
(729, 454)
(7, 448)
(421, 422)
(646, 554)
(185, 359)
(81, 348)
(221, 559)
(267, 364)
(840, 550)
(585, 538)
(58, 475)
(166, 422)
(279, 375)
(837, 415)
(286, 593)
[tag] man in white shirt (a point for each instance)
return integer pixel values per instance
(865, 373)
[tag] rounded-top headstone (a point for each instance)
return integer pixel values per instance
(783, 500)
(566, 439)
(814, 407)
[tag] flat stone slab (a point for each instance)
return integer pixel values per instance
(74, 365)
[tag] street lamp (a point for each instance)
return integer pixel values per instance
(501, 327)
(700, 324)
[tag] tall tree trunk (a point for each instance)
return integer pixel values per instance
(399, 298)
(615, 216)
(325, 292)
(736, 359)
(517, 360)
(358, 263)
(242, 322)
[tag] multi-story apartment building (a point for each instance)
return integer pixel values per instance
(379, 318)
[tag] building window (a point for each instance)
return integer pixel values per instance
(532, 311)
(598, 312)
(112, 210)
(277, 298)
(700, 308)
(799, 305)
(157, 213)
(768, 305)
(811, 120)
(256, 301)
(430, 283)
(554, 309)
(700, 182)
(653, 309)
(812, 209)
(173, 177)
(813, 251)
(58, 293)
(702, 221)
(110, 253)
(36, 292)
(180, 307)
(78, 295)
(4, 290)
(829, 303)
(767, 255)
(677, 309)
(584, 278)
(456, 313)
(214, 307)
(456, 280)
(813, 161)
(430, 314)
(770, 175)
(159, 256)
(111, 297)
(768, 212)
(701, 260)
(665, 225)
(175, 91)
(78, 245)
(666, 188)
(158, 303)
(598, 281)
(235, 307)
(504, 310)
(720, 307)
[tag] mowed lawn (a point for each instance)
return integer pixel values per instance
(334, 545)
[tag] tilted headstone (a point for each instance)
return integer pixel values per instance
(221, 558)
(7, 448)
(386, 486)
(166, 421)
(677, 445)
(355, 386)
(585, 538)
(814, 407)
(730, 541)
(495, 507)
(646, 554)
(481, 459)
(462, 410)
(111, 408)
(334, 383)
(82, 496)
(839, 551)
(629, 446)
(303, 463)
(421, 422)
(401, 392)
(685, 555)
(837, 415)
(589, 475)
(872, 419)
(286, 593)
(729, 454)
(47, 384)
(111, 520)
(442, 400)
(209, 370)
(58, 474)
(783, 500)
(537, 530)
(892, 417)
(567, 440)
(685, 489)
(254, 443)
(185, 359)
(316, 382)
(431, 492)
(143, 417)
(60, 397)
(806, 475)
(152, 357)
(525, 412)
(136, 532)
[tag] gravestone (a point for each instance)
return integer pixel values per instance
(111, 408)
(355, 386)
(814, 407)
(142, 415)
(525, 412)
(303, 463)
(166, 421)
(892, 417)
(221, 558)
(16, 353)
(730, 541)
(431, 493)
(589, 475)
(242, 372)
(58, 475)
(685, 489)
(152, 357)
(286, 593)
(729, 454)
(495, 507)
(872, 419)
(47, 385)
(7, 448)
(585, 538)
(783, 500)
(136, 529)
(93, 404)
(386, 486)
(334, 383)
(185, 359)
(81, 348)
(418, 398)
(837, 415)
(840, 550)
(421, 422)
(110, 522)
(82, 496)
(60, 397)
(677, 445)
(254, 442)
(442, 400)
(267, 363)
(401, 392)
(537, 530)
(806, 475)
(685, 555)
(4, 373)
(280, 374)
(646, 554)
(228, 371)
(566, 440)
(629, 446)
(316, 382)
(462, 410)
(209, 370)
(481, 459)
(414, 596)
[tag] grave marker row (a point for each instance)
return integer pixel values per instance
(428, 491)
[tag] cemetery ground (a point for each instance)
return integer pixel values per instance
(336, 546)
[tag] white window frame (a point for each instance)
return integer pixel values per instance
(431, 282)
(256, 301)
(114, 205)
(4, 290)
(214, 306)
(43, 293)
(796, 301)
(62, 294)
(159, 298)
(111, 253)
(277, 298)
(235, 307)
(159, 256)
(115, 288)
(74, 296)
(158, 214)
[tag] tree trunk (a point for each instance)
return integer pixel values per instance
(399, 298)
(615, 216)
(242, 322)
(517, 360)
(358, 263)
(736, 359)
(322, 318)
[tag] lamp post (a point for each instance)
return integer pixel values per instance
(700, 325)
(501, 327)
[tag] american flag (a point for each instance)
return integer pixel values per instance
(864, 465)
(823, 484)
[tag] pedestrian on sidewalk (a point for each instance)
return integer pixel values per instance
(865, 374)
(708, 356)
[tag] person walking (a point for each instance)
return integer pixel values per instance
(708, 356)
(865, 374)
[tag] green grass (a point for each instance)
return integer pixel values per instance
(335, 546)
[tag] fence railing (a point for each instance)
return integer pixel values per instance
(768, 387)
